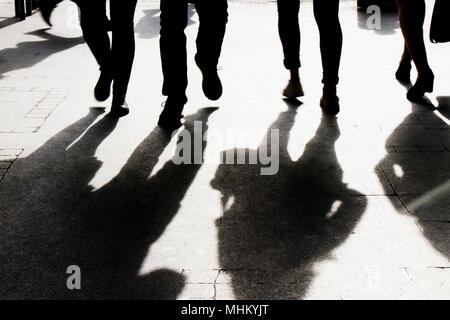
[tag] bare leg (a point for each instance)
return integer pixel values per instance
(412, 17)
(403, 73)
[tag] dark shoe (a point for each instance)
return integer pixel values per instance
(46, 8)
(330, 101)
(403, 73)
(170, 118)
(102, 90)
(293, 89)
(424, 83)
(119, 110)
(212, 86)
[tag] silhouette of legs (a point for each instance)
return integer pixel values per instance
(123, 45)
(213, 19)
(326, 13)
(173, 48)
(289, 31)
(115, 61)
(412, 17)
(95, 32)
(174, 18)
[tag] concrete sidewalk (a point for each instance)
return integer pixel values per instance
(358, 210)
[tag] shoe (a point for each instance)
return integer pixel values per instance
(403, 73)
(46, 8)
(330, 101)
(424, 83)
(212, 86)
(102, 90)
(293, 89)
(170, 118)
(119, 110)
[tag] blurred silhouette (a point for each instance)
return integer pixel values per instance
(51, 218)
(275, 228)
(326, 13)
(150, 25)
(213, 16)
(116, 59)
(417, 166)
(29, 53)
(412, 17)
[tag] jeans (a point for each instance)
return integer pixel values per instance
(213, 16)
(326, 13)
(117, 60)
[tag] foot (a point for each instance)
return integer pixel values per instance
(424, 83)
(212, 86)
(119, 108)
(293, 89)
(330, 101)
(170, 118)
(403, 73)
(46, 8)
(102, 90)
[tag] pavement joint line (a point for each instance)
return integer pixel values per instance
(11, 162)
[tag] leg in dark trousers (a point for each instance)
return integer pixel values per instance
(326, 13)
(123, 45)
(213, 17)
(95, 33)
(115, 61)
(173, 48)
(289, 31)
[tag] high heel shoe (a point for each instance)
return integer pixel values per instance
(403, 73)
(423, 84)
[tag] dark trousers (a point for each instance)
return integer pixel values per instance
(326, 13)
(116, 59)
(213, 16)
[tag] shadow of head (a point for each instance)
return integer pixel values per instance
(202, 115)
(47, 35)
(163, 284)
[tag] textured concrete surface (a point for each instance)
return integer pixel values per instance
(358, 210)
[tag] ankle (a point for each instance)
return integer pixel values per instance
(329, 89)
(295, 75)
(118, 100)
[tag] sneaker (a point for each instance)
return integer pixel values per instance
(293, 89)
(119, 110)
(212, 86)
(170, 118)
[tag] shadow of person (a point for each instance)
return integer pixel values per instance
(37, 195)
(106, 232)
(132, 212)
(417, 166)
(275, 228)
(29, 53)
(148, 27)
